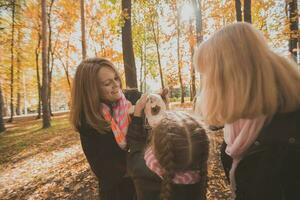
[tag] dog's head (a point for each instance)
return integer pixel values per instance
(155, 107)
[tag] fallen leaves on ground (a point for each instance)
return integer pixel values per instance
(63, 172)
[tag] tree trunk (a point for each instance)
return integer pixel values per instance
(192, 70)
(156, 40)
(39, 87)
(2, 126)
(18, 16)
(145, 68)
(247, 11)
(18, 108)
(293, 21)
(50, 88)
(49, 33)
(44, 93)
(12, 63)
(67, 65)
(198, 15)
(68, 79)
(50, 57)
(141, 69)
(83, 41)
(179, 63)
(199, 39)
(238, 10)
(128, 54)
(25, 94)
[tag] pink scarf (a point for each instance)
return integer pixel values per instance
(239, 136)
(120, 119)
(183, 177)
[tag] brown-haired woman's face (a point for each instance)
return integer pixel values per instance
(110, 85)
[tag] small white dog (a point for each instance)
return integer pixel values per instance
(155, 106)
(154, 109)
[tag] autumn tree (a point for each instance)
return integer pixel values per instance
(44, 93)
(179, 58)
(66, 62)
(12, 59)
(33, 18)
(293, 25)
(50, 53)
(197, 5)
(82, 18)
(141, 37)
(154, 24)
(127, 46)
(238, 10)
(2, 127)
(39, 86)
(63, 47)
(247, 11)
(19, 29)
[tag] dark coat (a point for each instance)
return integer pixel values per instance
(270, 170)
(146, 182)
(106, 158)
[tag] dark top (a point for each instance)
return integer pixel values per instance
(146, 182)
(106, 158)
(270, 170)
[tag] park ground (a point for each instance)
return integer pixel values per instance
(49, 164)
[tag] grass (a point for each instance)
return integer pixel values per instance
(26, 137)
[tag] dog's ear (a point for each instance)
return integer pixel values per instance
(165, 97)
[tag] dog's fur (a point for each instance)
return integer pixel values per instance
(155, 107)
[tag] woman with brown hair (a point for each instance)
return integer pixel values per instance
(99, 113)
(172, 165)
(256, 94)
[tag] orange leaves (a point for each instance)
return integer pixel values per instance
(192, 40)
(125, 14)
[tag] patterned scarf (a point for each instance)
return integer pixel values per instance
(182, 177)
(119, 120)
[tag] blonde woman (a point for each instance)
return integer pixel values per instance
(256, 94)
(99, 113)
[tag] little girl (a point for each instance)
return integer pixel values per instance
(172, 163)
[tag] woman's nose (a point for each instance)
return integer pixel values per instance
(116, 83)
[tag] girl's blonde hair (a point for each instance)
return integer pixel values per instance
(86, 95)
(243, 78)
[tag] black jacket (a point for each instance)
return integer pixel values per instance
(106, 158)
(146, 182)
(270, 170)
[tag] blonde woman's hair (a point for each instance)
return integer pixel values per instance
(86, 95)
(243, 78)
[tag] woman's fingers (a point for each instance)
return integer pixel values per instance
(140, 105)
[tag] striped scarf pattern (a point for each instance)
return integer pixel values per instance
(119, 119)
(182, 177)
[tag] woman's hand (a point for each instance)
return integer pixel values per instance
(140, 105)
